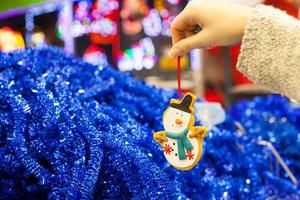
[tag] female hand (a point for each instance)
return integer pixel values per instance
(221, 21)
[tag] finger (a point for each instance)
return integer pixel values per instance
(200, 40)
(182, 23)
(189, 33)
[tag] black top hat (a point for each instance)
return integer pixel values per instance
(185, 103)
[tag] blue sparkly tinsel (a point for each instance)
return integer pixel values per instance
(71, 130)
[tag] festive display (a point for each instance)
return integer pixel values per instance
(147, 19)
(95, 55)
(32, 34)
(140, 56)
(152, 24)
(132, 13)
(72, 130)
(181, 141)
(166, 22)
(95, 17)
(38, 39)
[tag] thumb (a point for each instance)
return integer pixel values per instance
(199, 40)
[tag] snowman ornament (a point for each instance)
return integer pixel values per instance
(181, 141)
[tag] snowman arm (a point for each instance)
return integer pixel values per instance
(198, 131)
(160, 137)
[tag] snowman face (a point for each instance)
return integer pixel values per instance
(175, 120)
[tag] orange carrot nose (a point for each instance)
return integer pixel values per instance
(178, 121)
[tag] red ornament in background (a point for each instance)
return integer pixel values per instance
(95, 55)
(283, 5)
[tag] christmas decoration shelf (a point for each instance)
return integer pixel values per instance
(71, 130)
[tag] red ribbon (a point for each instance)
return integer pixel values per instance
(178, 77)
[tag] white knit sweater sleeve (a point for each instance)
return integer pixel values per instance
(270, 52)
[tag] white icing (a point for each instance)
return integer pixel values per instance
(169, 120)
(173, 157)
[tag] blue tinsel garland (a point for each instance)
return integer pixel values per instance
(71, 130)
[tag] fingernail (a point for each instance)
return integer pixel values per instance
(174, 52)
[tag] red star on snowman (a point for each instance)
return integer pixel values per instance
(167, 149)
(190, 155)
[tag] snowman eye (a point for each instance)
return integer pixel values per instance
(176, 113)
(181, 115)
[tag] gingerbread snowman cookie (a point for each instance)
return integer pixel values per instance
(181, 141)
